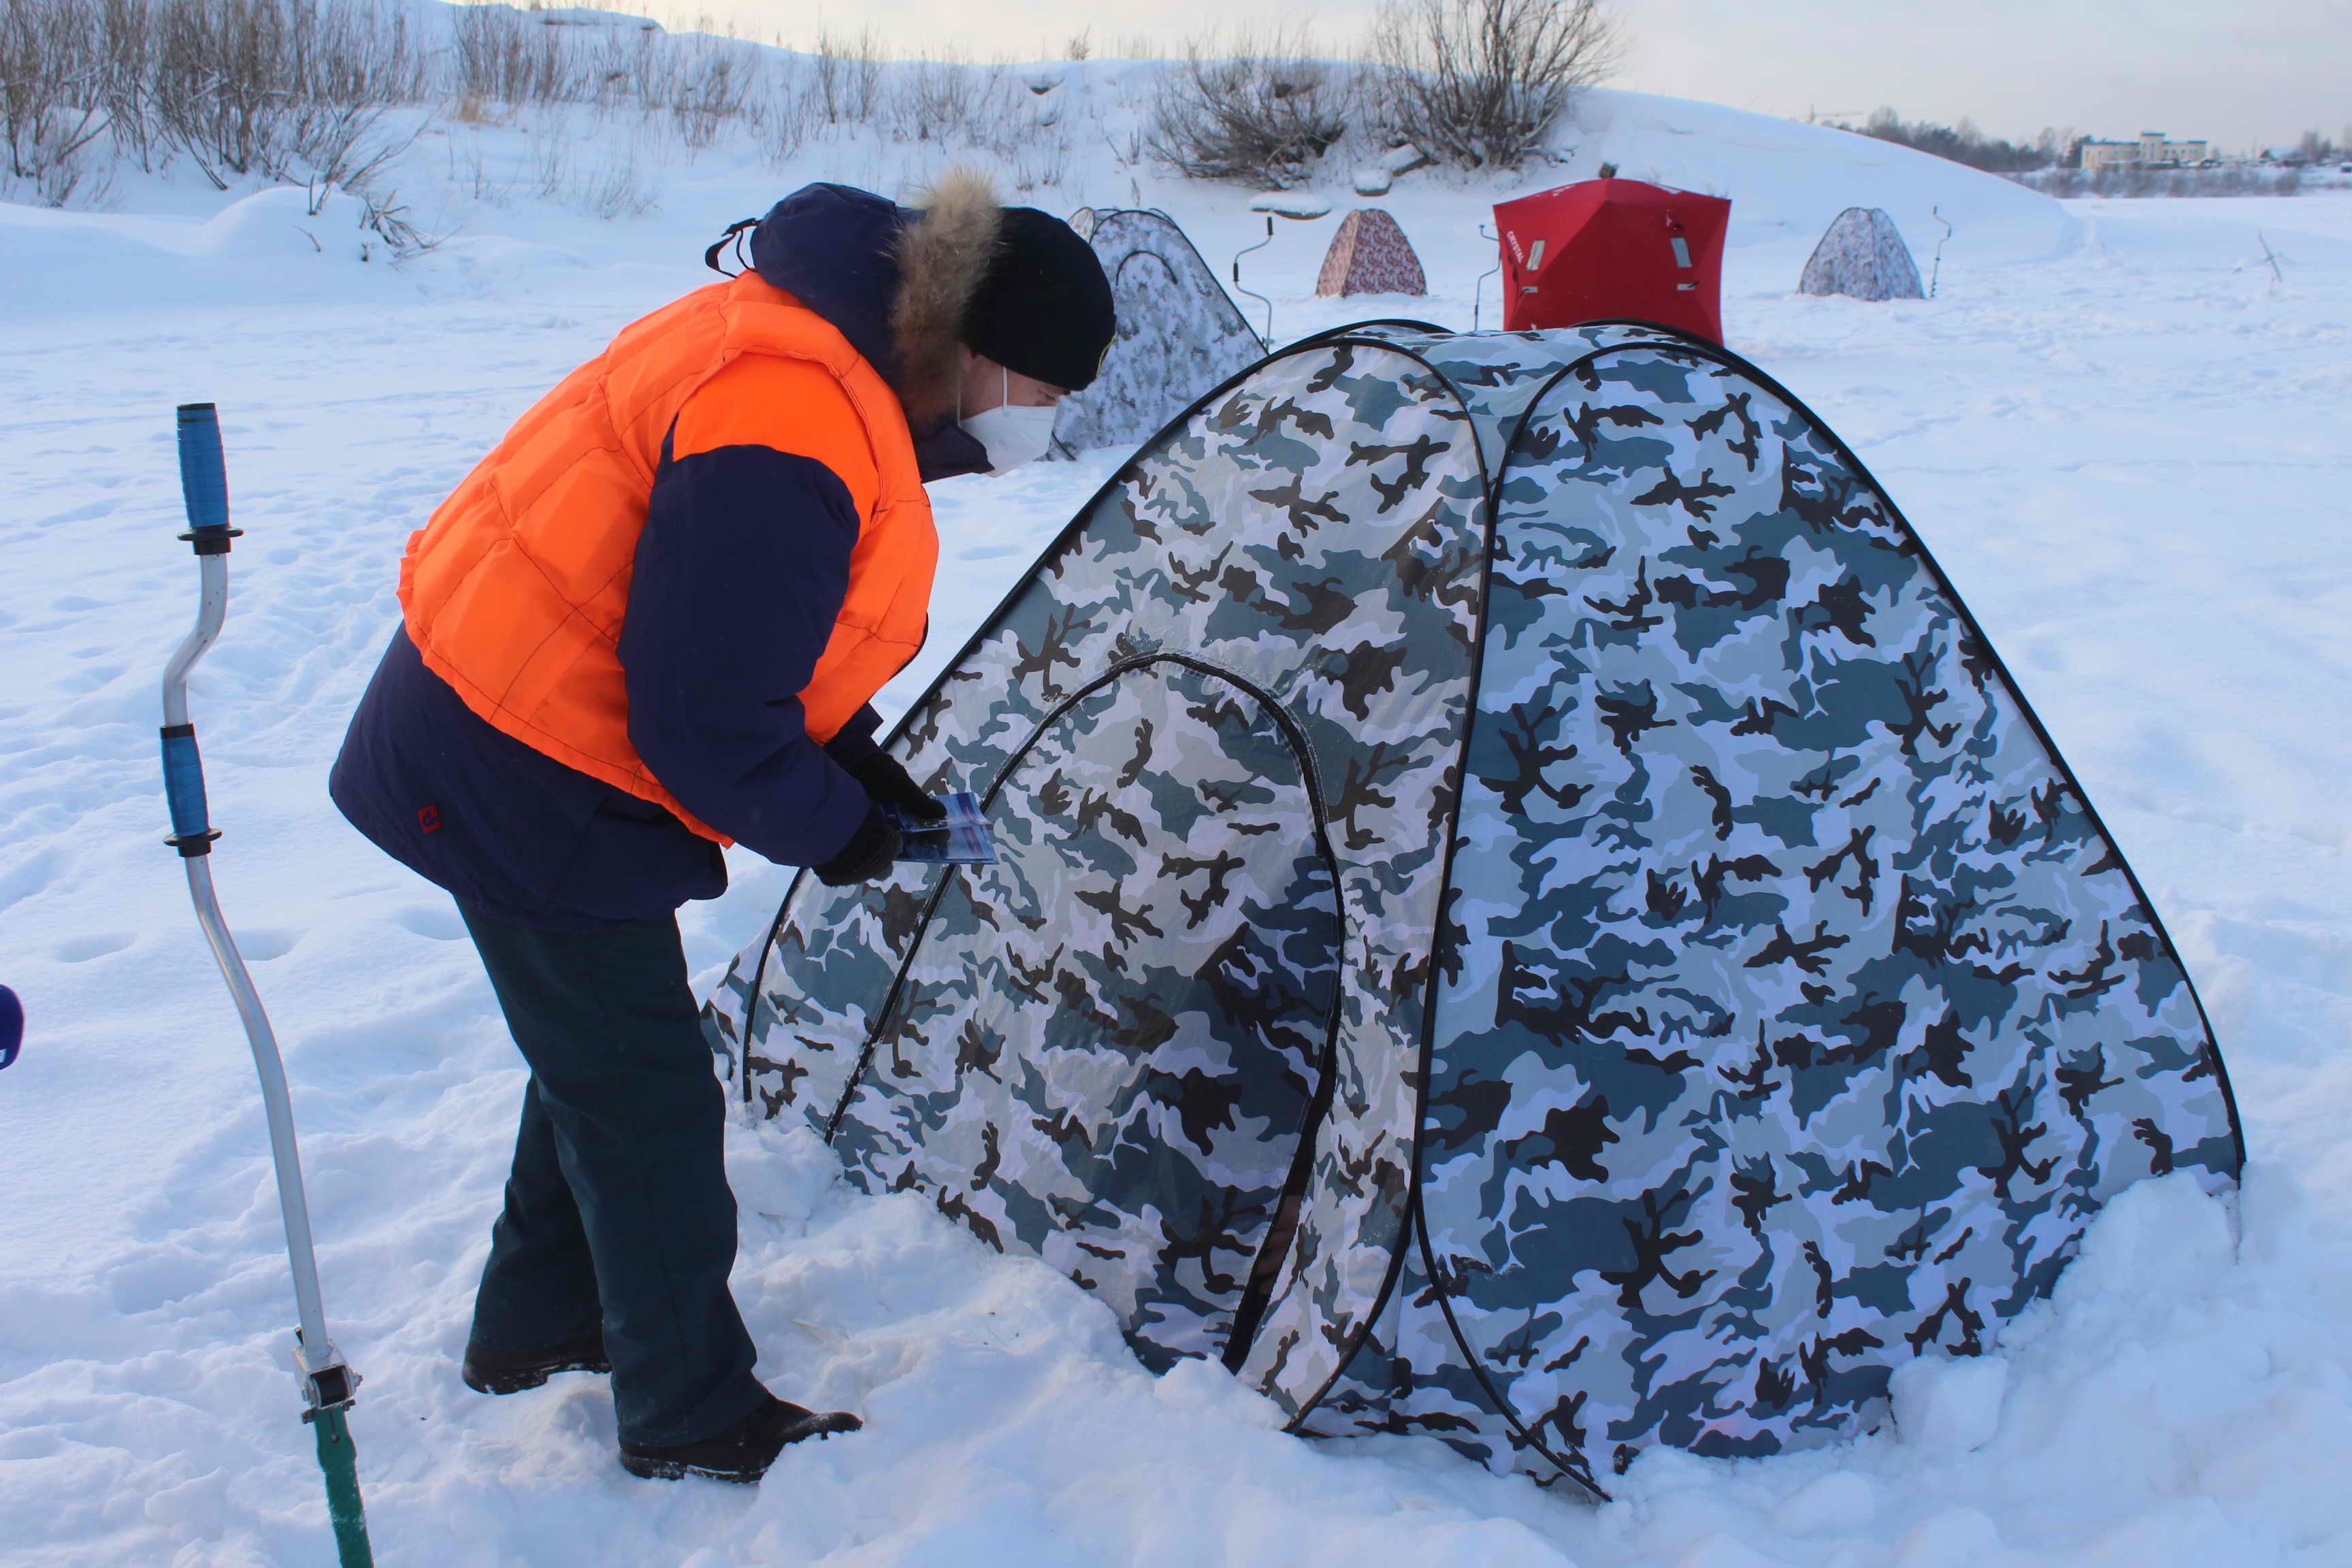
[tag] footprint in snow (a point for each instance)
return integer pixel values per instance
(83, 948)
(435, 925)
(261, 946)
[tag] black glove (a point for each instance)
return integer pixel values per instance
(886, 781)
(871, 851)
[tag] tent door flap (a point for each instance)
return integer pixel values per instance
(1115, 1041)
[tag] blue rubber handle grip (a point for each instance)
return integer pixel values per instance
(183, 787)
(203, 476)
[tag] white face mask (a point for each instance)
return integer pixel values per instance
(1012, 436)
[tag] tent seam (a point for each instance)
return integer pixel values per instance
(1417, 1216)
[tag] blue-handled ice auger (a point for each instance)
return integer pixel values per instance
(328, 1385)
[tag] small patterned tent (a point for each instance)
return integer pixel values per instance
(1527, 913)
(1863, 255)
(1370, 255)
(1179, 333)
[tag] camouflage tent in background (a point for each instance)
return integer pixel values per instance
(1370, 255)
(1179, 333)
(1863, 255)
(1529, 912)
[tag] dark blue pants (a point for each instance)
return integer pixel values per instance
(619, 1205)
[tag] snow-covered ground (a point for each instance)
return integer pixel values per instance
(2124, 437)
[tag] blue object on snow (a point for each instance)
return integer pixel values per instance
(12, 1025)
(204, 478)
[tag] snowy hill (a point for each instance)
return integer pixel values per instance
(2122, 437)
(555, 186)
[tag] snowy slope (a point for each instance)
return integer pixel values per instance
(2122, 438)
(517, 194)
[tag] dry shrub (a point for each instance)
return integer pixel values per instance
(1260, 114)
(301, 90)
(51, 93)
(281, 88)
(708, 90)
(504, 56)
(847, 87)
(947, 99)
(289, 88)
(1480, 83)
(779, 113)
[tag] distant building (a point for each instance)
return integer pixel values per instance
(2151, 151)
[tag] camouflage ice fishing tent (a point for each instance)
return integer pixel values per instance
(1863, 255)
(1179, 333)
(1529, 912)
(1369, 254)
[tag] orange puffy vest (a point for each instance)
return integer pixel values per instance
(516, 590)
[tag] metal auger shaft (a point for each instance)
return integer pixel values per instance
(328, 1384)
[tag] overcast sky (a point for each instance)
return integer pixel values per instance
(2242, 73)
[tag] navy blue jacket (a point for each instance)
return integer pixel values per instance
(739, 573)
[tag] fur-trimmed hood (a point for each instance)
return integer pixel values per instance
(897, 281)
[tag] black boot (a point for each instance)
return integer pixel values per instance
(742, 1453)
(494, 1371)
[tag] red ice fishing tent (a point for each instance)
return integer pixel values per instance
(1608, 250)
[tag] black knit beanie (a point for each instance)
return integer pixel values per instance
(1044, 308)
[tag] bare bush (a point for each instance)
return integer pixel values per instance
(388, 220)
(287, 88)
(630, 67)
(1039, 162)
(620, 188)
(275, 87)
(470, 172)
(1480, 83)
(550, 141)
(709, 89)
(1263, 115)
(583, 166)
(51, 99)
(517, 58)
(948, 100)
(504, 56)
(934, 100)
(778, 113)
(326, 92)
(848, 84)
(124, 51)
